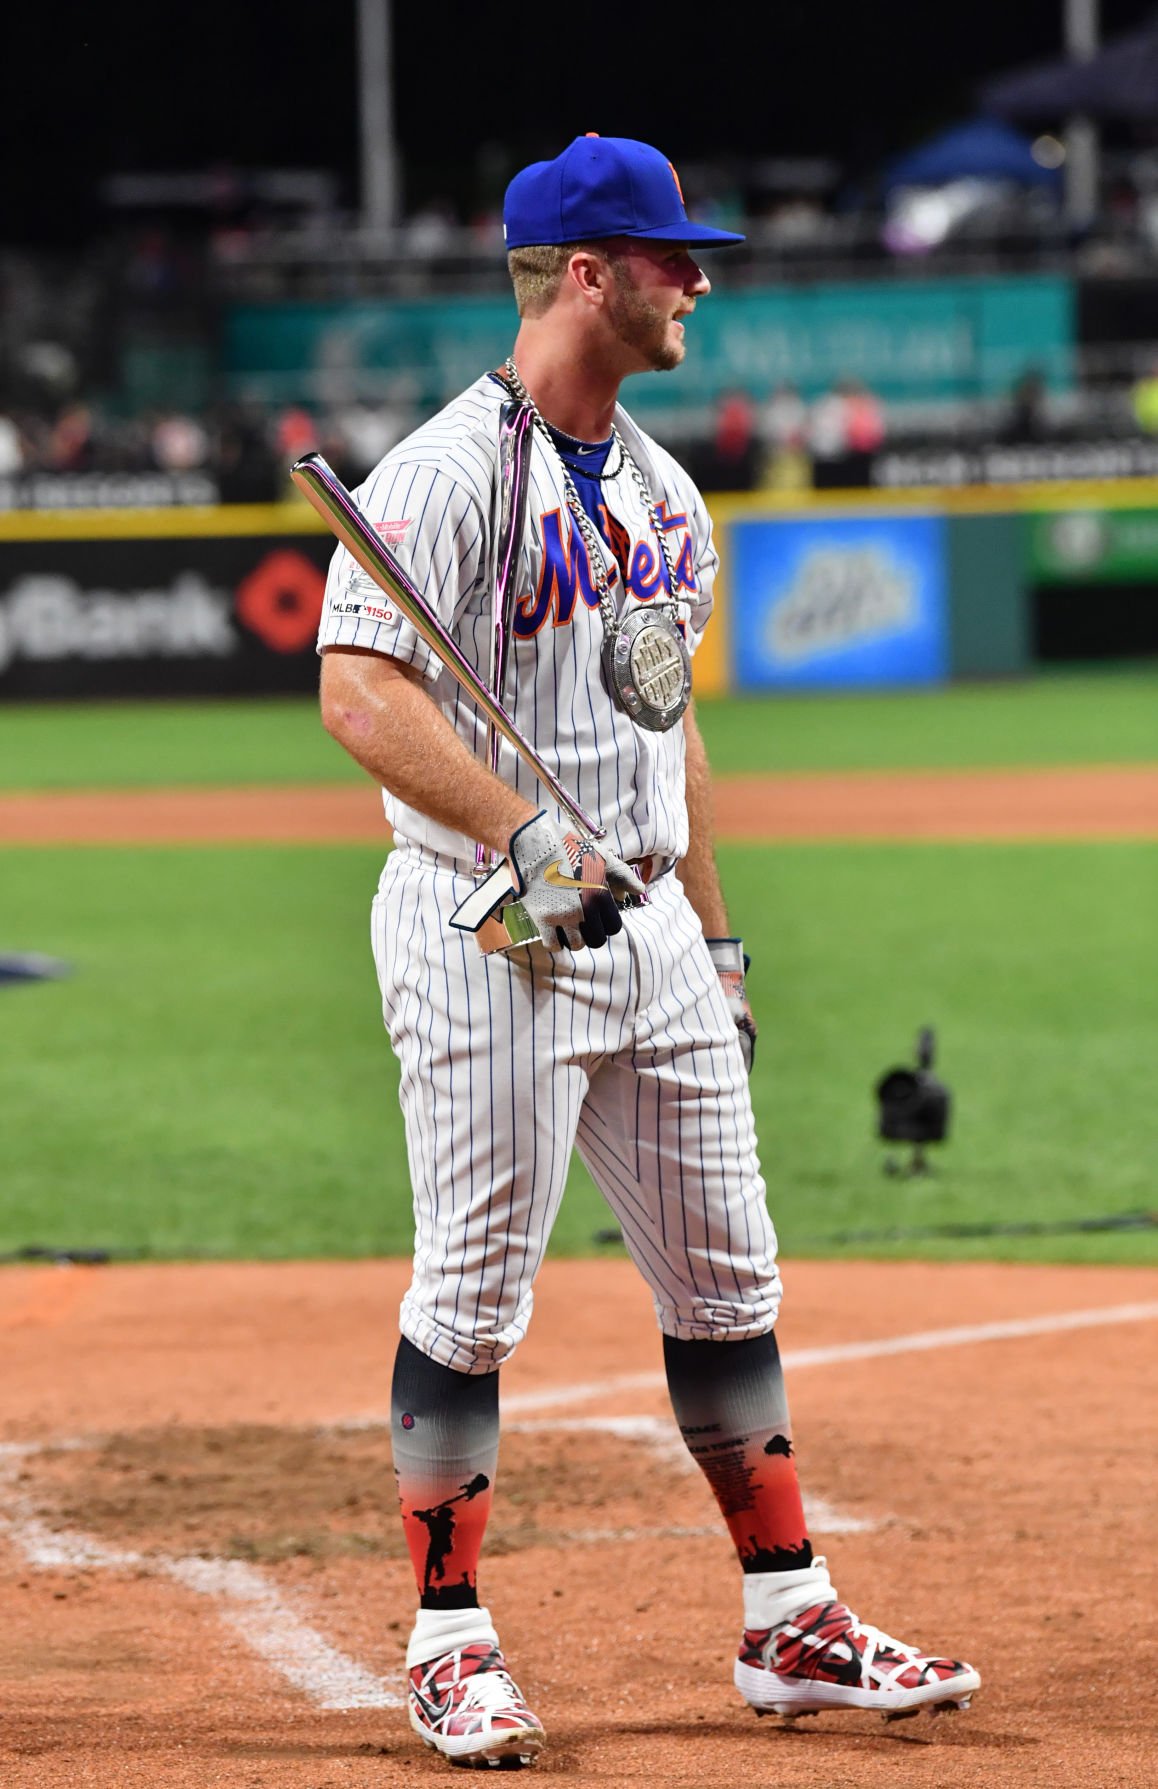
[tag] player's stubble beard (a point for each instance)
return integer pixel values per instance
(643, 326)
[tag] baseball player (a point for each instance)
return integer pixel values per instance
(622, 1029)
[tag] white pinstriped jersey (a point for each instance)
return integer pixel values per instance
(432, 498)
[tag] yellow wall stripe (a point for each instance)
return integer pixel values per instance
(160, 524)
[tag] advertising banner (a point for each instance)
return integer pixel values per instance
(175, 616)
(1095, 546)
(846, 602)
(105, 490)
(909, 340)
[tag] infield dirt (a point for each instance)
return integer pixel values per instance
(234, 1416)
(1093, 802)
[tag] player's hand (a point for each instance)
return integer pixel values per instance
(566, 884)
(731, 966)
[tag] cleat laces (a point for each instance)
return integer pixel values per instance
(875, 1641)
(490, 1692)
(872, 1643)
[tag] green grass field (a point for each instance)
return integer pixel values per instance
(213, 1079)
(1109, 718)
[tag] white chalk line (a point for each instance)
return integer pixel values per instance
(327, 1676)
(249, 1603)
(798, 1359)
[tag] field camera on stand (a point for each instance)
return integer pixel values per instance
(914, 1108)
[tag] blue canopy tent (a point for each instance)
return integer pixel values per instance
(983, 149)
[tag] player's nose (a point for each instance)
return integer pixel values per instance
(697, 283)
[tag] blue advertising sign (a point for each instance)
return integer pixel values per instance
(836, 603)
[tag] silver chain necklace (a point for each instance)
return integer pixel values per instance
(645, 655)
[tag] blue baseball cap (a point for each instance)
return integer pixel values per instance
(601, 186)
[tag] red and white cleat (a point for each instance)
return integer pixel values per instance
(825, 1658)
(467, 1706)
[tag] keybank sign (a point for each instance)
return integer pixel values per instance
(51, 617)
(158, 614)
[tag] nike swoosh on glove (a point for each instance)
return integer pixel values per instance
(568, 885)
(731, 966)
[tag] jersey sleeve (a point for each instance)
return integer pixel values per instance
(435, 529)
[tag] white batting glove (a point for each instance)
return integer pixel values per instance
(731, 967)
(569, 885)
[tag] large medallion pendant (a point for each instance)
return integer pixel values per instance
(648, 667)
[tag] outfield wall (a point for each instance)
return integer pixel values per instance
(846, 590)
(817, 591)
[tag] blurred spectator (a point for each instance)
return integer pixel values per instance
(864, 418)
(72, 445)
(797, 220)
(295, 433)
(247, 466)
(1028, 417)
(11, 447)
(828, 426)
(785, 418)
(732, 460)
(784, 425)
(179, 443)
(48, 370)
(846, 427)
(432, 229)
(486, 229)
(370, 430)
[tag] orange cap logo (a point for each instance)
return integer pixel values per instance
(678, 187)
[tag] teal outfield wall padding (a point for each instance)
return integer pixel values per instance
(989, 627)
(907, 339)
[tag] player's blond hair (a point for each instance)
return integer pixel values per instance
(537, 272)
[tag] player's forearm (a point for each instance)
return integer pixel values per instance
(378, 711)
(698, 870)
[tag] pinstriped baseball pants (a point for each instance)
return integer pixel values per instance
(628, 1053)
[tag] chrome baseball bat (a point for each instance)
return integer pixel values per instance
(324, 490)
(516, 424)
(322, 487)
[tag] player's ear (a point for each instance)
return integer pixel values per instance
(590, 273)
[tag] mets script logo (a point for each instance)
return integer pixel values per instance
(566, 577)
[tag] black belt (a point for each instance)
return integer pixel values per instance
(649, 869)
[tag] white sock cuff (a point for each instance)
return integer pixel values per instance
(771, 1598)
(437, 1631)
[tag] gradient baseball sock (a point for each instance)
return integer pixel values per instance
(730, 1404)
(445, 1435)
